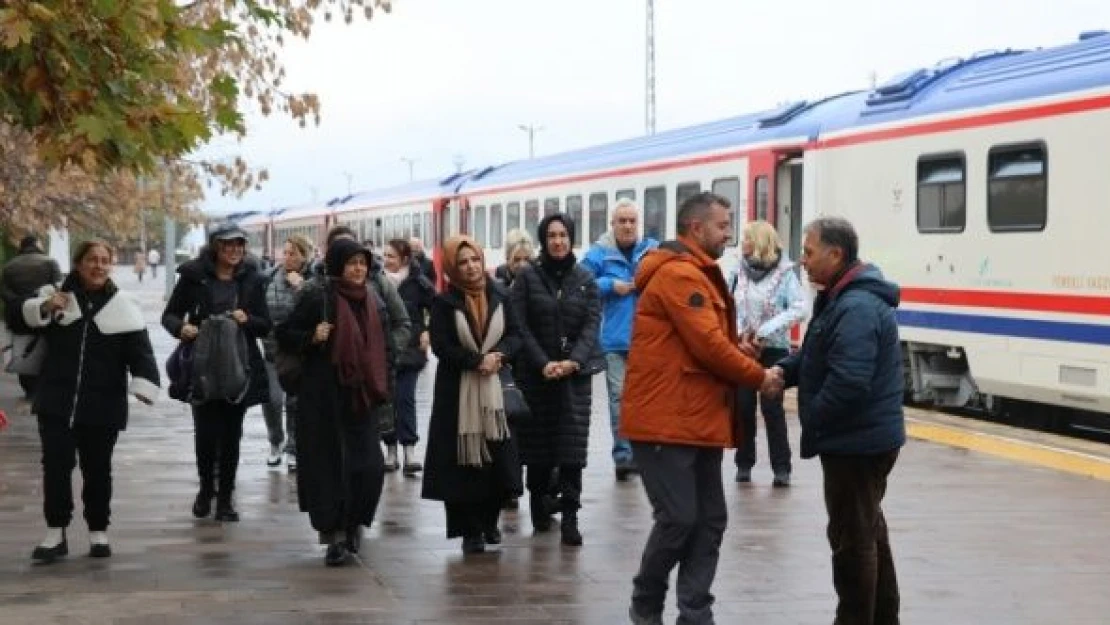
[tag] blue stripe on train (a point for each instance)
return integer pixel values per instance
(1070, 331)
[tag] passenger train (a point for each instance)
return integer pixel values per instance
(975, 184)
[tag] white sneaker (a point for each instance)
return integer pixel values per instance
(274, 459)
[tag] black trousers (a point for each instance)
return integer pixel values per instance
(62, 446)
(28, 383)
(687, 498)
(774, 417)
(218, 429)
(541, 480)
(862, 562)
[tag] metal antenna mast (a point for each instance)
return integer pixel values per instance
(649, 94)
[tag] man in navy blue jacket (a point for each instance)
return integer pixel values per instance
(849, 378)
(613, 260)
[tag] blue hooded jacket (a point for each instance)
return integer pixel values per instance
(849, 369)
(606, 262)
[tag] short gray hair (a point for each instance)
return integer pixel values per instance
(516, 239)
(836, 232)
(626, 202)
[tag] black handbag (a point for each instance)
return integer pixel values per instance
(516, 408)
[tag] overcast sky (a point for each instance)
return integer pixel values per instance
(440, 79)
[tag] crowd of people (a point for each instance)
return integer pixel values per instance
(336, 346)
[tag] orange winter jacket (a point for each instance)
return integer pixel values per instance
(684, 364)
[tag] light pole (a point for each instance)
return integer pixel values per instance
(410, 161)
(531, 129)
(349, 176)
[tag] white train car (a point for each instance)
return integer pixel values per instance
(269, 230)
(978, 186)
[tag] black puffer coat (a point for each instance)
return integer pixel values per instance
(548, 313)
(192, 296)
(417, 292)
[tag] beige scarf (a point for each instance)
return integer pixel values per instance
(481, 404)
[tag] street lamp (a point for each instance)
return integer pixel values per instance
(410, 161)
(531, 130)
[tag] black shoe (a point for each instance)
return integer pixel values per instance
(625, 470)
(202, 507)
(743, 476)
(569, 528)
(354, 539)
(412, 468)
(337, 554)
(473, 544)
(47, 555)
(782, 480)
(492, 536)
(511, 504)
(225, 513)
(98, 550)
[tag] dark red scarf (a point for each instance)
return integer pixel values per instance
(358, 356)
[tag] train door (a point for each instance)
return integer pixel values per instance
(788, 205)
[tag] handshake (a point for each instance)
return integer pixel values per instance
(774, 382)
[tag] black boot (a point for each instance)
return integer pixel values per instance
(225, 510)
(337, 553)
(569, 528)
(538, 508)
(473, 543)
(354, 539)
(202, 506)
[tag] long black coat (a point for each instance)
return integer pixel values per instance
(192, 296)
(84, 375)
(559, 432)
(444, 479)
(332, 440)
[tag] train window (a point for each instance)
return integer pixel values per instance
(495, 225)
(550, 206)
(1017, 189)
(408, 225)
(729, 188)
(429, 236)
(762, 197)
(574, 209)
(416, 226)
(531, 215)
(512, 216)
(941, 193)
(655, 213)
(629, 194)
(480, 225)
(599, 215)
(685, 190)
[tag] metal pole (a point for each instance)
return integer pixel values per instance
(169, 258)
(531, 129)
(649, 71)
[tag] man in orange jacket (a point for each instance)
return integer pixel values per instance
(679, 412)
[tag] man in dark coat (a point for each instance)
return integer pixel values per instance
(849, 378)
(22, 277)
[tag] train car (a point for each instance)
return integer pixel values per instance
(267, 231)
(977, 185)
(421, 209)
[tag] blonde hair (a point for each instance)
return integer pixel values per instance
(303, 245)
(765, 241)
(517, 239)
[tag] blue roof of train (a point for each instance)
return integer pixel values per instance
(432, 187)
(980, 80)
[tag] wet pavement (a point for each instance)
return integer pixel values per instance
(977, 539)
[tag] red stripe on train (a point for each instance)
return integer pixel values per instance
(1041, 302)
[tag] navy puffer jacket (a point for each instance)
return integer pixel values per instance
(849, 369)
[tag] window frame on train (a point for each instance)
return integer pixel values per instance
(935, 173)
(574, 210)
(532, 216)
(652, 203)
(512, 216)
(994, 202)
(738, 220)
(551, 206)
(599, 205)
(625, 193)
(762, 191)
(684, 190)
(479, 218)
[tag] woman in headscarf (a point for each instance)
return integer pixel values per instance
(340, 326)
(471, 463)
(560, 311)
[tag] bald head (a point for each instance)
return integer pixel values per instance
(625, 223)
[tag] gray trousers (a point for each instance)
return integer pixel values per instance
(271, 410)
(688, 501)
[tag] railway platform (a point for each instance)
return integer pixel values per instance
(989, 525)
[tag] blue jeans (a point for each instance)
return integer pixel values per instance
(404, 404)
(614, 379)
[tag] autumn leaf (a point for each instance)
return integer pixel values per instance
(94, 128)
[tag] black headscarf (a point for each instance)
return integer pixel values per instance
(556, 268)
(341, 251)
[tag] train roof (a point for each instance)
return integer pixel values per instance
(981, 80)
(411, 192)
